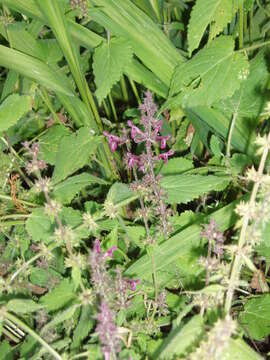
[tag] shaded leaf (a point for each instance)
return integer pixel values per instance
(12, 109)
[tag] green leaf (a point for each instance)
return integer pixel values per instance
(6, 352)
(250, 99)
(120, 194)
(49, 143)
(239, 350)
(34, 69)
(84, 326)
(218, 13)
(255, 318)
(181, 338)
(12, 109)
(177, 166)
(184, 188)
(213, 74)
(39, 226)
(23, 306)
(60, 318)
(73, 153)
(60, 296)
(68, 189)
(109, 61)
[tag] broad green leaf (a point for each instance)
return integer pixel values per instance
(120, 194)
(177, 166)
(213, 74)
(85, 324)
(49, 143)
(109, 61)
(239, 350)
(68, 189)
(74, 152)
(23, 306)
(250, 99)
(181, 338)
(39, 226)
(179, 246)
(184, 188)
(6, 352)
(124, 19)
(34, 69)
(218, 13)
(12, 109)
(255, 318)
(60, 296)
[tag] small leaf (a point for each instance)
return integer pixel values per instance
(68, 189)
(218, 13)
(110, 60)
(73, 153)
(60, 317)
(177, 166)
(85, 324)
(120, 193)
(181, 338)
(184, 188)
(60, 296)
(12, 109)
(23, 306)
(39, 226)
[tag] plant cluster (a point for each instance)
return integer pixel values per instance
(134, 179)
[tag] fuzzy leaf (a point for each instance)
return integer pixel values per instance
(250, 99)
(85, 324)
(23, 306)
(12, 109)
(68, 189)
(60, 296)
(239, 350)
(73, 153)
(39, 226)
(218, 13)
(177, 166)
(60, 317)
(49, 143)
(180, 338)
(256, 317)
(110, 59)
(213, 74)
(184, 188)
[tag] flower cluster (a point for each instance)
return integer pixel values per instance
(150, 134)
(34, 165)
(214, 236)
(113, 293)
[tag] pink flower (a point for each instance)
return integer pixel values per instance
(136, 134)
(113, 140)
(165, 156)
(133, 283)
(109, 253)
(132, 160)
(163, 141)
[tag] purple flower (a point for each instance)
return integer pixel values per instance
(163, 141)
(132, 160)
(136, 134)
(133, 283)
(107, 331)
(109, 253)
(113, 140)
(97, 247)
(165, 156)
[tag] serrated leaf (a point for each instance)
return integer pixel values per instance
(110, 59)
(213, 74)
(184, 188)
(60, 317)
(68, 189)
(73, 153)
(49, 143)
(180, 338)
(12, 109)
(60, 296)
(177, 166)
(250, 99)
(255, 318)
(218, 13)
(85, 324)
(23, 306)
(39, 226)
